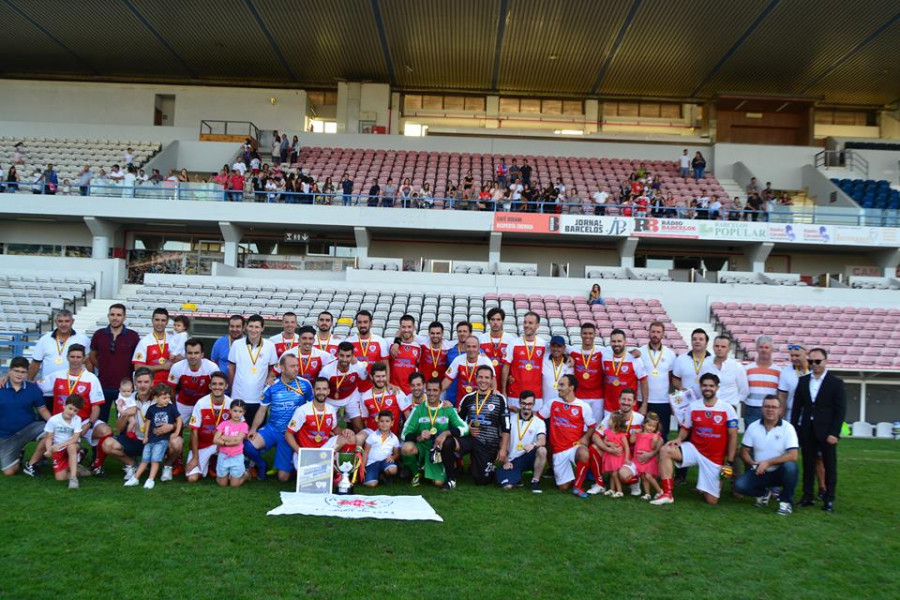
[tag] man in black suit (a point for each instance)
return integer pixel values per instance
(818, 414)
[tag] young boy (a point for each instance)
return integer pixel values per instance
(230, 435)
(63, 440)
(180, 326)
(382, 450)
(162, 421)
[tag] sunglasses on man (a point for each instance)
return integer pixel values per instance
(816, 361)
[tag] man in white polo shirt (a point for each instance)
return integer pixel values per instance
(52, 348)
(690, 366)
(658, 363)
(250, 366)
(769, 449)
(733, 387)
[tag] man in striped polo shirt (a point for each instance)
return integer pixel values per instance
(762, 377)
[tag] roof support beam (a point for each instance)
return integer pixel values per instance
(271, 39)
(55, 40)
(382, 39)
(620, 37)
(498, 47)
(155, 33)
(833, 66)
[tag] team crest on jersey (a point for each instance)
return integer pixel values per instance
(193, 420)
(139, 356)
(625, 368)
(709, 414)
(490, 407)
(80, 388)
(415, 353)
(717, 419)
(389, 402)
(292, 424)
(574, 411)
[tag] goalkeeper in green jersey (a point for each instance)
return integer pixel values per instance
(428, 426)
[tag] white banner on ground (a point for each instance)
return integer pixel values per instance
(403, 508)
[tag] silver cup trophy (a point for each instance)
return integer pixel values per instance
(344, 485)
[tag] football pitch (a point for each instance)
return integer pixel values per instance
(201, 541)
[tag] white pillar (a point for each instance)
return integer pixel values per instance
(363, 241)
(232, 235)
(757, 254)
(627, 248)
(102, 232)
(494, 248)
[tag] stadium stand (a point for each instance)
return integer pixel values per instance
(830, 326)
(870, 193)
(70, 155)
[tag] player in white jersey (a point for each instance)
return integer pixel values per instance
(556, 364)
(659, 360)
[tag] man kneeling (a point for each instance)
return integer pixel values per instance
(527, 449)
(712, 425)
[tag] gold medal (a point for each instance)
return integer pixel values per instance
(555, 386)
(495, 362)
(59, 360)
(655, 372)
(434, 373)
(162, 361)
(318, 438)
(520, 447)
(433, 430)
(586, 375)
(468, 389)
(529, 367)
(253, 370)
(474, 424)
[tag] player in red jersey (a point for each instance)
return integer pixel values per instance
(190, 378)
(325, 341)
(315, 424)
(523, 363)
(381, 397)
(587, 366)
(312, 358)
(433, 362)
(369, 348)
(344, 378)
(621, 370)
(571, 425)
(154, 351)
(287, 339)
(713, 427)
(207, 413)
(404, 355)
(495, 341)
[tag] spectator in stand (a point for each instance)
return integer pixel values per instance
(236, 186)
(12, 180)
(284, 149)
(515, 193)
(736, 212)
(128, 182)
(684, 164)
(426, 196)
(596, 295)
(657, 206)
(406, 191)
(18, 154)
(128, 157)
(671, 206)
(785, 199)
(155, 177)
(239, 166)
(754, 207)
(221, 179)
(560, 190)
(715, 209)
(37, 182)
(255, 162)
(374, 193)
(641, 206)
(141, 177)
(501, 173)
(768, 193)
(183, 176)
(390, 191)
(51, 182)
(600, 197)
(295, 149)
(699, 166)
(769, 204)
(752, 187)
(702, 208)
(497, 194)
(346, 190)
(84, 180)
(515, 173)
(484, 198)
(328, 189)
(526, 172)
(573, 203)
(276, 149)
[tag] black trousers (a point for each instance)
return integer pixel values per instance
(811, 447)
(482, 460)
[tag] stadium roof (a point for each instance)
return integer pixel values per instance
(842, 52)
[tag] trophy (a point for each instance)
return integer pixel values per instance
(344, 485)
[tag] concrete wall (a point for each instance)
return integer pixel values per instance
(133, 104)
(883, 164)
(195, 156)
(826, 193)
(69, 234)
(778, 164)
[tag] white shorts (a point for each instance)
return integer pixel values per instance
(351, 409)
(185, 411)
(203, 456)
(708, 477)
(596, 408)
(562, 465)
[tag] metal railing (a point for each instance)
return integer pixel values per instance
(843, 158)
(14, 344)
(229, 128)
(185, 191)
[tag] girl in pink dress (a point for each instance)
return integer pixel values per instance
(615, 437)
(648, 440)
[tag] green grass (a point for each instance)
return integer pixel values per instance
(200, 541)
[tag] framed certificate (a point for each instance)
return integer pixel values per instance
(315, 470)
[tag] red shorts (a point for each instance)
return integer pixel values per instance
(61, 460)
